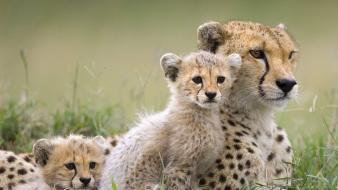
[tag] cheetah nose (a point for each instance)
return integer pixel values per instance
(85, 181)
(285, 85)
(210, 95)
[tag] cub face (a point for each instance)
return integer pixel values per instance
(74, 162)
(202, 78)
(269, 57)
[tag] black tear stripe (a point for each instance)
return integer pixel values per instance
(261, 80)
(71, 182)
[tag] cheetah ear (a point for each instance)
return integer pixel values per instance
(101, 142)
(210, 36)
(170, 64)
(41, 150)
(281, 26)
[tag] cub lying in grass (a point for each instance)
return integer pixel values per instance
(182, 141)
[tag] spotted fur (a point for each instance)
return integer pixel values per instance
(256, 150)
(182, 141)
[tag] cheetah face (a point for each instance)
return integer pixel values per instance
(71, 163)
(269, 58)
(201, 78)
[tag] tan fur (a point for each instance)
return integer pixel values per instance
(181, 142)
(17, 173)
(255, 150)
(53, 155)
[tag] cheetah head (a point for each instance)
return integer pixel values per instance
(269, 57)
(74, 162)
(202, 78)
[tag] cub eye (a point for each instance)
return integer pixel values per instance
(92, 165)
(291, 54)
(197, 80)
(70, 166)
(220, 79)
(258, 54)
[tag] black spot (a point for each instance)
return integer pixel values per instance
(221, 111)
(242, 181)
(220, 166)
(254, 144)
(232, 166)
(113, 143)
(212, 184)
(227, 187)
(2, 170)
(278, 171)
(288, 149)
(237, 140)
(237, 147)
(250, 150)
(229, 156)
(245, 132)
(279, 138)
(271, 156)
(224, 128)
(11, 159)
(248, 163)
(240, 167)
(218, 161)
(222, 178)
(22, 171)
(247, 173)
(106, 152)
(210, 174)
(235, 176)
(11, 185)
(239, 134)
(227, 147)
(202, 181)
(11, 169)
(22, 181)
(1, 188)
(10, 176)
(32, 170)
(231, 123)
(27, 159)
(239, 156)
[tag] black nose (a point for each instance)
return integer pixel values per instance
(285, 85)
(85, 181)
(210, 95)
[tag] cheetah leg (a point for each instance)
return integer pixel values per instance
(178, 178)
(279, 163)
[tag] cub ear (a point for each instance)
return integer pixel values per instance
(210, 36)
(281, 26)
(101, 142)
(235, 61)
(41, 150)
(170, 63)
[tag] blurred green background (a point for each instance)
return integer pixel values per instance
(118, 44)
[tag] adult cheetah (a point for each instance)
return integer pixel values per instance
(256, 150)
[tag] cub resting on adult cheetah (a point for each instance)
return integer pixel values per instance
(181, 142)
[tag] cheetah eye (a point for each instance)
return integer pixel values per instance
(292, 53)
(92, 165)
(197, 80)
(220, 79)
(70, 166)
(257, 54)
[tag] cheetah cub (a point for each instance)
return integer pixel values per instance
(182, 141)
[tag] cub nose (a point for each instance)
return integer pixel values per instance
(85, 181)
(285, 85)
(210, 95)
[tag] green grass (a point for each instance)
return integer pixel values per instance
(315, 162)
